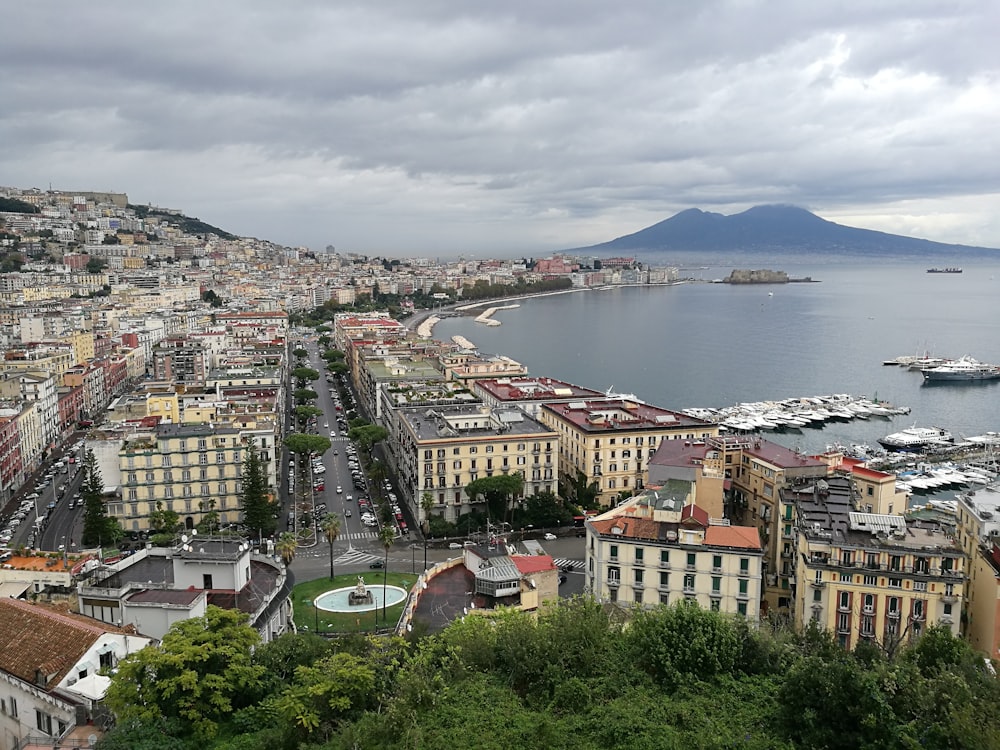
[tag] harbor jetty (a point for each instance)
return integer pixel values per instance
(486, 316)
(463, 342)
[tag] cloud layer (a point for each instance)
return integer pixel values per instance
(440, 127)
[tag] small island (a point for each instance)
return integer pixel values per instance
(762, 276)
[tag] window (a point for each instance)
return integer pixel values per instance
(871, 580)
(691, 559)
(741, 607)
(717, 561)
(895, 583)
(844, 600)
(665, 557)
(664, 580)
(744, 565)
(613, 551)
(817, 595)
(206, 581)
(637, 573)
(743, 585)
(714, 604)
(717, 584)
(847, 577)
(43, 722)
(107, 660)
(639, 555)
(689, 582)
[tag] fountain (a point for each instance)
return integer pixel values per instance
(360, 596)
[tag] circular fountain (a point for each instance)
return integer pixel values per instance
(360, 598)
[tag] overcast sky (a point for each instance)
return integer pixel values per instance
(437, 127)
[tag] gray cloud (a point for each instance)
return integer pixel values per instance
(443, 127)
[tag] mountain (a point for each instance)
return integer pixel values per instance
(769, 229)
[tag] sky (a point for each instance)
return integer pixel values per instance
(437, 127)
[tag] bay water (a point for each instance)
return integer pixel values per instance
(703, 344)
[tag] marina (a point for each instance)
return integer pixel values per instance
(796, 413)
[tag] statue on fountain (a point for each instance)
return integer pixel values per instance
(360, 595)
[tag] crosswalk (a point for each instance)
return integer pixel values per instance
(563, 562)
(359, 535)
(351, 557)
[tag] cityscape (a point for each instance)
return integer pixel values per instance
(198, 428)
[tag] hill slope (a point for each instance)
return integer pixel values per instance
(771, 228)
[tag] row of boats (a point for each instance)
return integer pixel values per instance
(796, 413)
(946, 476)
(940, 369)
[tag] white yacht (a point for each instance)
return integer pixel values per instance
(916, 439)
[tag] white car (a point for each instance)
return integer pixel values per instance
(340, 490)
(549, 536)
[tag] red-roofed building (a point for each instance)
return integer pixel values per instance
(529, 393)
(523, 581)
(877, 489)
(658, 548)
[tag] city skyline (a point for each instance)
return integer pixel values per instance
(446, 129)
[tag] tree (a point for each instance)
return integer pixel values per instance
(330, 526)
(164, 521)
(96, 265)
(98, 528)
(386, 537)
(258, 505)
(497, 491)
(583, 493)
(304, 395)
(305, 375)
(286, 546)
(367, 435)
(300, 353)
(209, 521)
(302, 443)
(212, 298)
(304, 413)
(336, 688)
(201, 672)
(544, 509)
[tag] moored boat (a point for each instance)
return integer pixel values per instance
(962, 369)
(916, 439)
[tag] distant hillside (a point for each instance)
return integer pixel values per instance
(768, 229)
(184, 223)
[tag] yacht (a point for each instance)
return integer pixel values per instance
(962, 369)
(916, 439)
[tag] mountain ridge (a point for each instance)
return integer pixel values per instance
(777, 228)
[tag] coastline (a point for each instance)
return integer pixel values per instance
(425, 328)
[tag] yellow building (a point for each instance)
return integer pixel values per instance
(611, 440)
(657, 549)
(190, 469)
(441, 450)
(978, 532)
(868, 576)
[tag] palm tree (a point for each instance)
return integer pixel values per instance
(387, 536)
(330, 526)
(426, 505)
(286, 546)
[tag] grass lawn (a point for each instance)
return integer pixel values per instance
(306, 616)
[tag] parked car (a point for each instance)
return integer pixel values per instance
(376, 564)
(454, 545)
(549, 536)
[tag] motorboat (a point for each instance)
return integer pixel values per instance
(963, 369)
(916, 439)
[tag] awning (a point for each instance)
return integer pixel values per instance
(93, 686)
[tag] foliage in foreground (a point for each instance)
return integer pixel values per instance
(579, 676)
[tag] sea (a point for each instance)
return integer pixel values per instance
(704, 344)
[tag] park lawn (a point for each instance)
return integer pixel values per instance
(306, 617)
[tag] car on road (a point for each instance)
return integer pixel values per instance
(349, 498)
(333, 433)
(340, 490)
(348, 513)
(376, 564)
(454, 545)
(549, 536)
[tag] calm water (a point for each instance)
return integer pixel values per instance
(704, 344)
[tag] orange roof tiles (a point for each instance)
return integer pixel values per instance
(733, 536)
(527, 564)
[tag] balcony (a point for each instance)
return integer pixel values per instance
(949, 598)
(717, 570)
(614, 583)
(743, 595)
(817, 584)
(689, 590)
(892, 615)
(665, 564)
(868, 610)
(716, 594)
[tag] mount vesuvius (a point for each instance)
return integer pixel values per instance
(770, 229)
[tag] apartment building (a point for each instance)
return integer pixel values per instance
(610, 440)
(658, 548)
(869, 576)
(469, 366)
(528, 394)
(978, 534)
(181, 360)
(191, 469)
(440, 450)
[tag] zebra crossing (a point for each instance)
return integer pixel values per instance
(563, 562)
(359, 535)
(355, 556)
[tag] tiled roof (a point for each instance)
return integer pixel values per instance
(528, 564)
(693, 513)
(635, 528)
(33, 637)
(733, 536)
